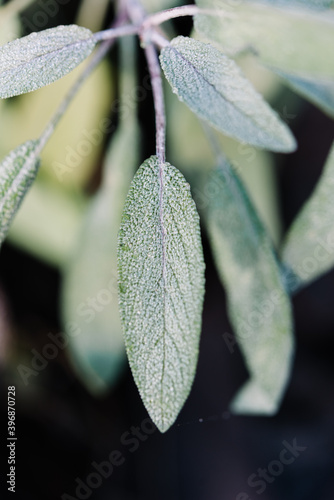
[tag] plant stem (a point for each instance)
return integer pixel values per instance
(138, 15)
(97, 57)
(129, 29)
(158, 97)
(166, 15)
(95, 60)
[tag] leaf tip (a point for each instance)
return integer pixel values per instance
(252, 399)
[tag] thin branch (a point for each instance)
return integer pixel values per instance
(136, 11)
(158, 97)
(166, 15)
(129, 29)
(97, 57)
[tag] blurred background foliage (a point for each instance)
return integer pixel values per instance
(64, 420)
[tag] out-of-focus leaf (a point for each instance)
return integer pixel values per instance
(48, 225)
(293, 39)
(258, 306)
(308, 250)
(17, 172)
(74, 150)
(89, 296)
(319, 92)
(314, 4)
(161, 287)
(214, 88)
(193, 155)
(41, 58)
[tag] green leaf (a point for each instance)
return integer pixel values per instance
(279, 36)
(308, 249)
(258, 306)
(17, 172)
(89, 295)
(319, 92)
(38, 59)
(215, 89)
(314, 4)
(161, 287)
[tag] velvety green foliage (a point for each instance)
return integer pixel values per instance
(280, 37)
(17, 172)
(214, 88)
(161, 287)
(258, 305)
(38, 59)
(98, 352)
(308, 250)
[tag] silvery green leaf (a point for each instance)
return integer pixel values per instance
(259, 307)
(319, 92)
(308, 250)
(314, 4)
(279, 36)
(38, 59)
(89, 295)
(17, 172)
(161, 287)
(214, 88)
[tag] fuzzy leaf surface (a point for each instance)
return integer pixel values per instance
(214, 88)
(41, 58)
(259, 307)
(17, 172)
(161, 287)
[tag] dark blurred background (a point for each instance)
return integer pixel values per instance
(208, 454)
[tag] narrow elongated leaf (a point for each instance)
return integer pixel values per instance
(214, 88)
(89, 296)
(38, 59)
(17, 172)
(279, 36)
(314, 4)
(161, 287)
(319, 92)
(308, 250)
(258, 305)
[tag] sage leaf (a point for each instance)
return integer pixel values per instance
(258, 305)
(308, 249)
(314, 4)
(214, 88)
(89, 294)
(319, 92)
(279, 36)
(17, 172)
(161, 287)
(41, 58)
